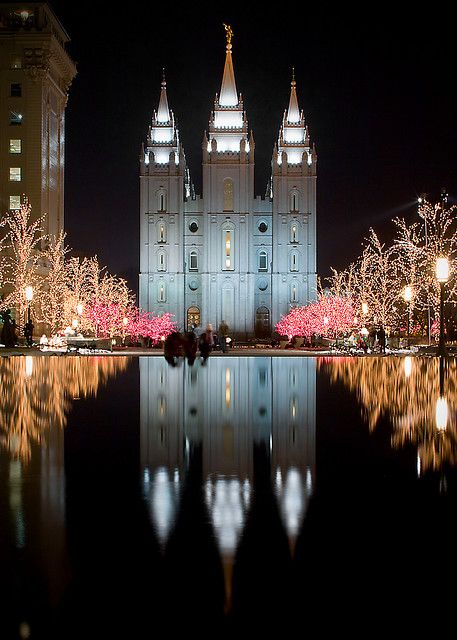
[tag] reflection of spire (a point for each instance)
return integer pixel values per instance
(293, 494)
(163, 495)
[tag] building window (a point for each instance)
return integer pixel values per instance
(294, 261)
(193, 261)
(294, 232)
(263, 227)
(15, 202)
(15, 174)
(193, 226)
(15, 146)
(263, 261)
(162, 293)
(161, 261)
(228, 194)
(294, 201)
(15, 90)
(162, 232)
(162, 200)
(228, 249)
(15, 118)
(293, 292)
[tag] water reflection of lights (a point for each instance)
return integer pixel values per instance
(163, 493)
(26, 417)
(227, 500)
(410, 391)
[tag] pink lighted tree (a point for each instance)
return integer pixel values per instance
(330, 316)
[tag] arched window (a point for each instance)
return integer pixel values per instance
(228, 238)
(294, 200)
(193, 317)
(161, 261)
(294, 232)
(162, 292)
(293, 292)
(161, 200)
(228, 194)
(193, 261)
(263, 261)
(294, 261)
(161, 232)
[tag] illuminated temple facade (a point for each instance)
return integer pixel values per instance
(227, 255)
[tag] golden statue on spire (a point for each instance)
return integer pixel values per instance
(228, 33)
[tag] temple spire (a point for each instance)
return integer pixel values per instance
(228, 96)
(293, 113)
(163, 112)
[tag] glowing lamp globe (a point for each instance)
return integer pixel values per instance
(442, 269)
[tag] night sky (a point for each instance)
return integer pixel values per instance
(377, 88)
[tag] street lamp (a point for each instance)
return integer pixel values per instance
(442, 275)
(408, 295)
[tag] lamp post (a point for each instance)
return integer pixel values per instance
(442, 275)
(407, 295)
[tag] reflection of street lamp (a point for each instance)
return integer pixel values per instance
(441, 413)
(442, 275)
(29, 298)
(408, 294)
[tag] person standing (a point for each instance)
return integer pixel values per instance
(381, 334)
(206, 342)
(223, 333)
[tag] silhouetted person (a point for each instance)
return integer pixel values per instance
(8, 336)
(206, 343)
(28, 332)
(223, 333)
(172, 348)
(190, 346)
(381, 334)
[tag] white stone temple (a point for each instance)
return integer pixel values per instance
(228, 254)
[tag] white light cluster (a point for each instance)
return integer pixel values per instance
(227, 500)
(163, 135)
(294, 135)
(164, 498)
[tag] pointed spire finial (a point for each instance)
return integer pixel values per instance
(164, 82)
(293, 77)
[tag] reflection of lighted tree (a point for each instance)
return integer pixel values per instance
(407, 390)
(37, 394)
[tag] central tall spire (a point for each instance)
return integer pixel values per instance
(228, 96)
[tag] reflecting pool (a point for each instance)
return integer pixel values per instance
(314, 495)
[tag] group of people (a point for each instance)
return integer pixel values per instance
(186, 344)
(8, 335)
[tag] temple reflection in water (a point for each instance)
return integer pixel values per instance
(228, 409)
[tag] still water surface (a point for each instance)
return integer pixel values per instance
(253, 493)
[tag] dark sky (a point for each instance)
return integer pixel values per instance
(377, 88)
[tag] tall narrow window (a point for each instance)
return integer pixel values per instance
(15, 90)
(193, 261)
(294, 232)
(162, 200)
(293, 292)
(228, 249)
(294, 201)
(15, 118)
(161, 261)
(162, 232)
(162, 293)
(228, 194)
(294, 261)
(263, 261)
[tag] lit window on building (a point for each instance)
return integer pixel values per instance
(293, 233)
(294, 261)
(162, 294)
(15, 146)
(15, 174)
(228, 249)
(162, 232)
(161, 261)
(15, 202)
(16, 62)
(16, 118)
(162, 201)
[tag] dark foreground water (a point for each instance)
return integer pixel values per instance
(237, 499)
